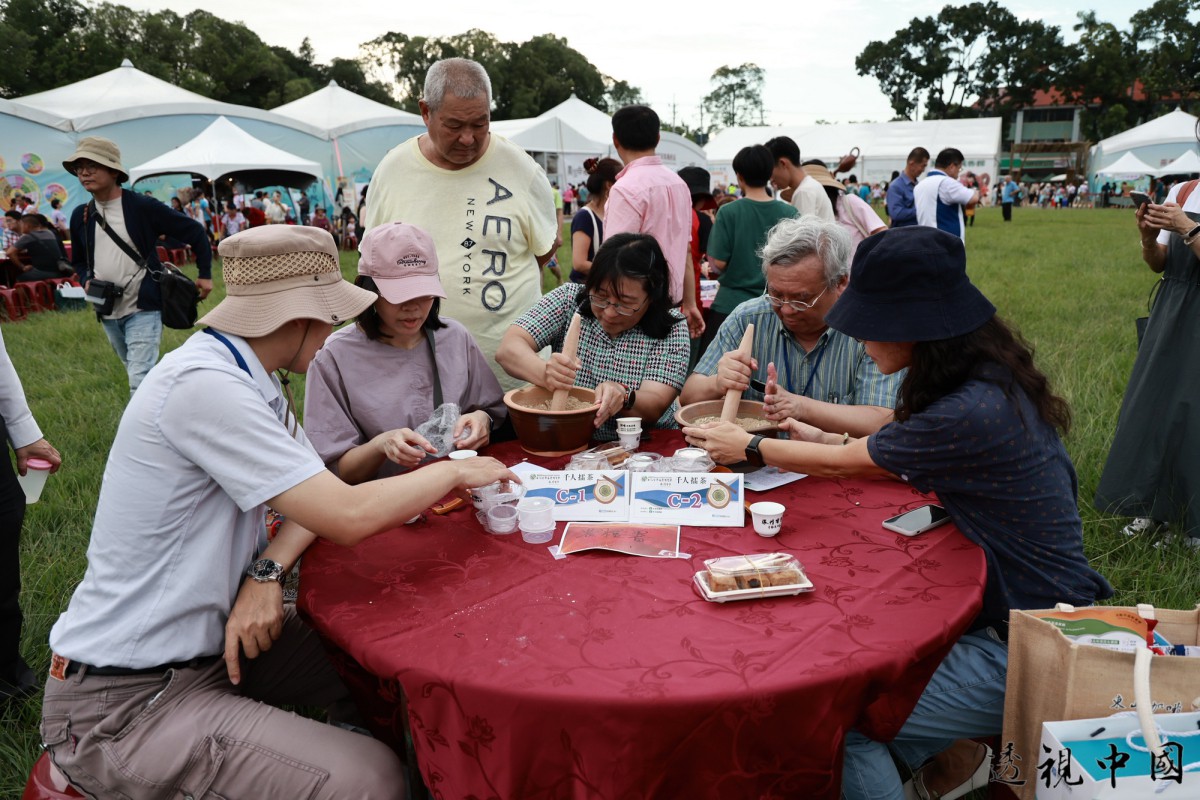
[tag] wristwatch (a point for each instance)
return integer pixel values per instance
(752, 454)
(1191, 235)
(630, 398)
(265, 570)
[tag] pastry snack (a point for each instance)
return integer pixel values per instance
(749, 576)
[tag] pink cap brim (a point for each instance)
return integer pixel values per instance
(401, 290)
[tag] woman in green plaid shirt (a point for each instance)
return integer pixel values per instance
(633, 345)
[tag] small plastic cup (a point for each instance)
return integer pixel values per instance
(768, 518)
(34, 479)
(644, 462)
(535, 513)
(501, 493)
(502, 519)
(630, 441)
(588, 462)
(537, 537)
(459, 455)
(629, 425)
(691, 459)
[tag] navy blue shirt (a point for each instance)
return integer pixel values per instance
(1005, 478)
(901, 208)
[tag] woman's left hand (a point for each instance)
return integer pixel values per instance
(611, 397)
(477, 427)
(1168, 217)
(724, 441)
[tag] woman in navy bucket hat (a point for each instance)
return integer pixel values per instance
(977, 423)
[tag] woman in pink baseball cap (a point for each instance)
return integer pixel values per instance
(374, 382)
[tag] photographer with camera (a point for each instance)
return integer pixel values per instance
(127, 305)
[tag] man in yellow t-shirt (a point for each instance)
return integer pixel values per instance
(487, 204)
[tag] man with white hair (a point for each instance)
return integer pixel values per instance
(487, 204)
(819, 376)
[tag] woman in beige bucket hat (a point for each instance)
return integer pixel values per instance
(176, 590)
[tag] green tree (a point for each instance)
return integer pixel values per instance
(544, 72)
(736, 98)
(402, 61)
(618, 94)
(1099, 75)
(972, 60)
(1170, 67)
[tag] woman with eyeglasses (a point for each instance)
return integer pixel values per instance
(633, 345)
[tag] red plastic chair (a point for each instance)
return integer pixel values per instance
(41, 295)
(163, 258)
(15, 303)
(47, 783)
(178, 256)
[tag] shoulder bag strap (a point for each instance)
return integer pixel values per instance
(598, 239)
(126, 248)
(1186, 192)
(437, 381)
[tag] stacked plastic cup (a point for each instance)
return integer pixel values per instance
(536, 519)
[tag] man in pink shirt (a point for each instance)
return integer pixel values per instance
(650, 198)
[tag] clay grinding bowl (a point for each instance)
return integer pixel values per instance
(712, 408)
(552, 433)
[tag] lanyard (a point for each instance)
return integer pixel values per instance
(241, 362)
(787, 368)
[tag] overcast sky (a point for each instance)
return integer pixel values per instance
(806, 48)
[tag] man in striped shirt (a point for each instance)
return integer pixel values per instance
(825, 378)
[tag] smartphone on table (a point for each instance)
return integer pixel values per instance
(919, 520)
(1139, 199)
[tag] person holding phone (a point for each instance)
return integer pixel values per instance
(1153, 467)
(977, 423)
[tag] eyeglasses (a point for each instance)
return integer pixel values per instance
(795, 305)
(85, 167)
(599, 304)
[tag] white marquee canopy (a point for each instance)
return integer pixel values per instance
(221, 149)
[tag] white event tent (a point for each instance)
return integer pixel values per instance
(33, 144)
(675, 151)
(883, 146)
(360, 130)
(1156, 143)
(1186, 164)
(1129, 166)
(223, 149)
(147, 116)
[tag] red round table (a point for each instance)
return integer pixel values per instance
(605, 675)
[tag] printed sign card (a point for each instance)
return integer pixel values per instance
(687, 498)
(592, 496)
(652, 541)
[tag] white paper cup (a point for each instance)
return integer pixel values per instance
(459, 455)
(629, 425)
(630, 441)
(34, 479)
(768, 518)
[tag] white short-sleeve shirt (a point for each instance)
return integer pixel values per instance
(1192, 205)
(201, 447)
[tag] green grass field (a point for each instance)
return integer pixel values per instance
(1071, 280)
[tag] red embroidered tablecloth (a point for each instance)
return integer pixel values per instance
(606, 676)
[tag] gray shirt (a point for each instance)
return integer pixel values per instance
(357, 388)
(201, 447)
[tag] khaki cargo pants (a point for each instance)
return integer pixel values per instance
(190, 734)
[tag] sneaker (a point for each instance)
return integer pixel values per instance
(1142, 526)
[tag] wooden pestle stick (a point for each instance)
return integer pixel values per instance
(733, 396)
(570, 347)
